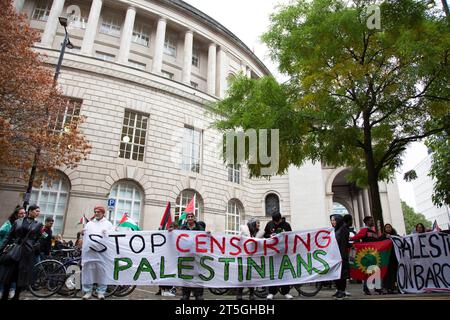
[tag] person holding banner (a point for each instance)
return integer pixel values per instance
(192, 225)
(91, 260)
(251, 230)
(342, 238)
(391, 275)
(274, 227)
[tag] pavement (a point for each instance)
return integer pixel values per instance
(149, 293)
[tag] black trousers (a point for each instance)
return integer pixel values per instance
(284, 289)
(241, 289)
(7, 284)
(341, 284)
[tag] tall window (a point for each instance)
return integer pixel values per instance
(42, 10)
(191, 149)
(141, 34)
(134, 130)
(195, 57)
(110, 25)
(233, 218)
(170, 45)
(71, 112)
(272, 204)
(52, 201)
(79, 21)
(128, 200)
(184, 198)
(234, 173)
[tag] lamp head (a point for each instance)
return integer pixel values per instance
(63, 21)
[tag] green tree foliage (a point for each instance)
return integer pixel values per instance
(355, 97)
(412, 218)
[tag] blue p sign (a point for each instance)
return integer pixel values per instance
(111, 203)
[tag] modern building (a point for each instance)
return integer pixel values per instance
(143, 73)
(423, 192)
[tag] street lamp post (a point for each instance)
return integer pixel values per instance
(68, 44)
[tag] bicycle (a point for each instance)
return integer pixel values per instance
(310, 289)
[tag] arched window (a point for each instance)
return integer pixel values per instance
(128, 200)
(52, 201)
(339, 209)
(183, 200)
(272, 204)
(233, 217)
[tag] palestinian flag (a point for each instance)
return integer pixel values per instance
(166, 220)
(368, 254)
(127, 222)
(83, 220)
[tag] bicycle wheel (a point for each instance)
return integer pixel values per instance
(261, 292)
(48, 277)
(309, 289)
(123, 291)
(110, 290)
(218, 291)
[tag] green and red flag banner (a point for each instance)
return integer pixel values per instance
(166, 220)
(367, 254)
(83, 220)
(127, 222)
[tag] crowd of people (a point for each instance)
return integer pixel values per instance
(37, 242)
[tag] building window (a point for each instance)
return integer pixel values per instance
(191, 149)
(167, 75)
(111, 26)
(233, 218)
(128, 200)
(195, 57)
(234, 173)
(105, 56)
(141, 34)
(137, 65)
(132, 141)
(42, 10)
(79, 22)
(52, 201)
(194, 85)
(170, 45)
(272, 204)
(184, 198)
(71, 113)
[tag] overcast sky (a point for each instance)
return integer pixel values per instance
(248, 20)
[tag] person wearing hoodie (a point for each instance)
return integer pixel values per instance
(342, 237)
(250, 230)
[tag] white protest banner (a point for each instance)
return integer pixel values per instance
(423, 262)
(200, 259)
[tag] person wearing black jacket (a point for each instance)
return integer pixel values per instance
(274, 227)
(28, 232)
(47, 234)
(342, 237)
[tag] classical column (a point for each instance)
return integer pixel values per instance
(359, 199)
(211, 76)
(223, 69)
(18, 5)
(52, 23)
(127, 34)
(159, 45)
(187, 59)
(367, 210)
(87, 45)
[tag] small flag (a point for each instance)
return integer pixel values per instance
(83, 220)
(189, 208)
(166, 220)
(127, 222)
(436, 226)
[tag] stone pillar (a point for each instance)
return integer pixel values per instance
(222, 73)
(211, 76)
(52, 23)
(159, 45)
(87, 45)
(356, 214)
(359, 199)
(367, 210)
(187, 58)
(127, 34)
(18, 5)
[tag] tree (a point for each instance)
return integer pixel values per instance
(31, 107)
(412, 218)
(355, 96)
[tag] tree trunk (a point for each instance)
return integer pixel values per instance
(372, 174)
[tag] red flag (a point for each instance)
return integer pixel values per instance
(191, 205)
(368, 254)
(166, 220)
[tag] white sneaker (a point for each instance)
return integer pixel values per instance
(348, 293)
(167, 294)
(87, 296)
(270, 296)
(100, 296)
(11, 294)
(288, 296)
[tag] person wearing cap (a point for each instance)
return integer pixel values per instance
(274, 227)
(92, 266)
(192, 225)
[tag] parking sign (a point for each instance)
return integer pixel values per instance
(111, 204)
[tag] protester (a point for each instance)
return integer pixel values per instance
(168, 291)
(348, 220)
(420, 228)
(251, 229)
(92, 269)
(342, 237)
(274, 227)
(391, 275)
(59, 244)
(19, 213)
(192, 225)
(47, 235)
(27, 232)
